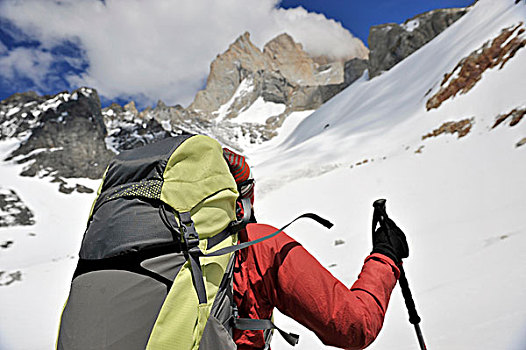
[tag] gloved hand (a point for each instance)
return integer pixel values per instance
(390, 242)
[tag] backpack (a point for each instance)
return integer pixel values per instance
(155, 266)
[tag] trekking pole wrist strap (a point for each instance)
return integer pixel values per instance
(243, 245)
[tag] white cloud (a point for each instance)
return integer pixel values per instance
(153, 49)
(3, 48)
(28, 62)
(319, 35)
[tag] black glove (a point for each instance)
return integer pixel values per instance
(390, 242)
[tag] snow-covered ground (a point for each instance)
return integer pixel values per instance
(461, 201)
(260, 111)
(45, 255)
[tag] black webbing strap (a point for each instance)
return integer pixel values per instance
(246, 324)
(220, 237)
(169, 221)
(243, 245)
(191, 242)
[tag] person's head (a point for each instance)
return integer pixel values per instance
(241, 173)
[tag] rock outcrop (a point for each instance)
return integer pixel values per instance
(461, 128)
(21, 112)
(468, 72)
(312, 97)
(390, 43)
(127, 128)
(63, 135)
(7, 278)
(13, 211)
(353, 70)
(515, 116)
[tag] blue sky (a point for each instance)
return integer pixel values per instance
(162, 49)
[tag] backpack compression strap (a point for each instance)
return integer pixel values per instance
(192, 253)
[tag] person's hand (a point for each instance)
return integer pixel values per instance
(390, 242)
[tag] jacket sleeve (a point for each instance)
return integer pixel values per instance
(304, 290)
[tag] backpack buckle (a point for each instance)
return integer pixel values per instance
(189, 234)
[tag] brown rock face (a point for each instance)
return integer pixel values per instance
(461, 128)
(516, 116)
(227, 71)
(288, 57)
(470, 69)
(275, 72)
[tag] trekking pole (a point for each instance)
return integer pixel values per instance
(380, 215)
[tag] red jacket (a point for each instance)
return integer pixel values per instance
(280, 273)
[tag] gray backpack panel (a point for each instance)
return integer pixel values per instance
(123, 306)
(120, 315)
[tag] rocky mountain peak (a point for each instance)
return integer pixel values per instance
(227, 71)
(131, 108)
(289, 58)
(283, 42)
(243, 45)
(21, 98)
(274, 73)
(161, 104)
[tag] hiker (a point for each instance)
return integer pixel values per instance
(166, 262)
(280, 273)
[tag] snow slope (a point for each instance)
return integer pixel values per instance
(460, 201)
(45, 255)
(260, 111)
